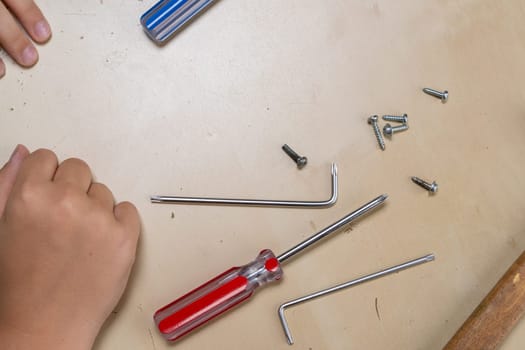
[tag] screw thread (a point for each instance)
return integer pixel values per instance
(420, 182)
(396, 118)
(290, 152)
(399, 128)
(433, 92)
(379, 137)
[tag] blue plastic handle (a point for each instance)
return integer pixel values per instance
(166, 17)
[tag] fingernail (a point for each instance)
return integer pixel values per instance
(29, 56)
(16, 153)
(42, 31)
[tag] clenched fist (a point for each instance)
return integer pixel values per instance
(66, 251)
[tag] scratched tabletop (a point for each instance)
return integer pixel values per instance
(206, 115)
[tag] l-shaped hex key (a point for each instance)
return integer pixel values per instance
(255, 202)
(397, 268)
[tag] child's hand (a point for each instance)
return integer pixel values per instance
(13, 39)
(66, 252)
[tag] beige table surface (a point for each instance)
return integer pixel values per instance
(207, 114)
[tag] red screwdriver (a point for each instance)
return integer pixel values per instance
(237, 284)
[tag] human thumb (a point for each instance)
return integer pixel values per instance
(9, 172)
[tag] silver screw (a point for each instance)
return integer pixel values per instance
(443, 96)
(389, 130)
(431, 187)
(373, 121)
(395, 118)
(299, 160)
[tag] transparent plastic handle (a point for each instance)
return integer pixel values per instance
(167, 16)
(216, 296)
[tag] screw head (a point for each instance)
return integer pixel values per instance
(301, 162)
(387, 129)
(373, 119)
(433, 187)
(405, 118)
(444, 96)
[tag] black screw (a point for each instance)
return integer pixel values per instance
(299, 160)
(430, 187)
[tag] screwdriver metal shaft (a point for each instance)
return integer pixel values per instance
(332, 228)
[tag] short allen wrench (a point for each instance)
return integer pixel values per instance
(373, 276)
(255, 202)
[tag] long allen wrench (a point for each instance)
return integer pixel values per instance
(255, 202)
(367, 278)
